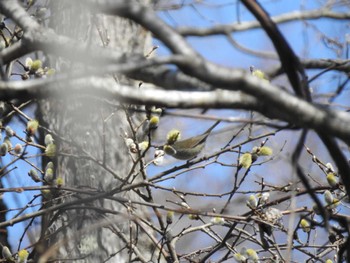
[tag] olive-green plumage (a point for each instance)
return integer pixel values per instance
(189, 148)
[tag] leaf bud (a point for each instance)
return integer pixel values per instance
(218, 220)
(49, 165)
(265, 151)
(8, 142)
(264, 197)
(28, 63)
(252, 255)
(169, 217)
(48, 139)
(305, 225)
(35, 65)
(328, 197)
(50, 72)
(332, 179)
(252, 202)
(48, 177)
(34, 175)
(173, 136)
(50, 150)
(143, 145)
(9, 131)
(22, 256)
(59, 181)
(6, 253)
(153, 122)
(4, 149)
(245, 160)
(18, 148)
(240, 258)
(32, 126)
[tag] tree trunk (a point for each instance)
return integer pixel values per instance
(90, 141)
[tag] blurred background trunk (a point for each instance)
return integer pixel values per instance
(93, 127)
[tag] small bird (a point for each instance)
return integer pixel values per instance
(188, 148)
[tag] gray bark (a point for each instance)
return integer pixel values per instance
(90, 129)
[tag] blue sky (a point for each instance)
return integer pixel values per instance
(306, 43)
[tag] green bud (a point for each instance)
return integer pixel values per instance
(48, 139)
(32, 126)
(6, 253)
(265, 151)
(34, 175)
(332, 179)
(173, 136)
(36, 64)
(8, 142)
(59, 181)
(143, 146)
(28, 63)
(328, 197)
(262, 151)
(252, 202)
(49, 165)
(305, 225)
(169, 217)
(50, 150)
(157, 111)
(153, 122)
(9, 131)
(245, 160)
(48, 177)
(50, 72)
(4, 149)
(185, 205)
(39, 73)
(252, 255)
(218, 220)
(22, 256)
(264, 197)
(240, 258)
